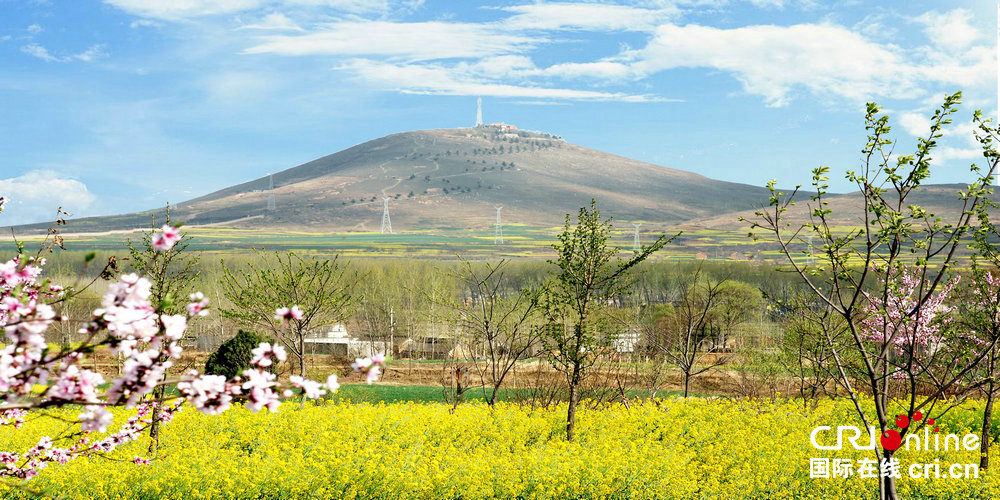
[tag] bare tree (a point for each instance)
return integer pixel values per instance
(805, 347)
(685, 331)
(499, 320)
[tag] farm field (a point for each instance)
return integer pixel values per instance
(520, 241)
(668, 448)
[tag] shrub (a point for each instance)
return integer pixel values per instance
(234, 355)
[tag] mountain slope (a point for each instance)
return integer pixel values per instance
(453, 178)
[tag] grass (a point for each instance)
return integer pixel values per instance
(361, 393)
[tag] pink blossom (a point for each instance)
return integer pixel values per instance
(332, 384)
(198, 305)
(95, 419)
(371, 367)
(263, 353)
(76, 384)
(174, 326)
(311, 389)
(259, 386)
(208, 393)
(166, 238)
(902, 318)
(284, 314)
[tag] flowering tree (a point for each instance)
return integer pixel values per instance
(35, 375)
(885, 278)
(162, 258)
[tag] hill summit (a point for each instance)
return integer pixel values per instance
(454, 178)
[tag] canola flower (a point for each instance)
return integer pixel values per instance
(676, 448)
(35, 376)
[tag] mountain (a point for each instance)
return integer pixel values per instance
(453, 178)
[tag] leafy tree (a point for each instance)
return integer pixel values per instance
(321, 288)
(589, 273)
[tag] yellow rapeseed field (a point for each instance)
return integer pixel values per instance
(673, 448)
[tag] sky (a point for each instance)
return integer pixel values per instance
(116, 106)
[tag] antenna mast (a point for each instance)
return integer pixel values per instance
(386, 224)
(635, 241)
(479, 112)
(498, 229)
(270, 191)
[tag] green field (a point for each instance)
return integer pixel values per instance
(519, 241)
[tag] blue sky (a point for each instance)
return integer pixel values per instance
(124, 105)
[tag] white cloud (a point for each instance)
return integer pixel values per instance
(174, 10)
(601, 70)
(587, 17)
(409, 41)
(274, 21)
(238, 87)
(138, 23)
(355, 6)
(179, 10)
(93, 53)
(35, 196)
(40, 52)
(34, 29)
(915, 124)
(442, 80)
(775, 61)
(827, 61)
(951, 31)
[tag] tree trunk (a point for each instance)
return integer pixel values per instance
(154, 426)
(984, 439)
(302, 356)
(574, 396)
(687, 383)
(887, 485)
(571, 413)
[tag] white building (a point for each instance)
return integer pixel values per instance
(335, 340)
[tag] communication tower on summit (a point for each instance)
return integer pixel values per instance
(498, 229)
(479, 112)
(270, 191)
(635, 241)
(386, 224)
